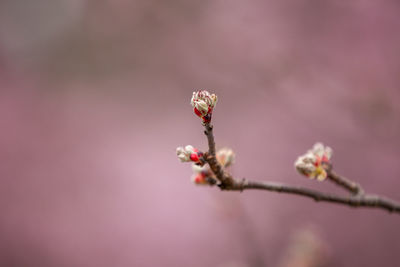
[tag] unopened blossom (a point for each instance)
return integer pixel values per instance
(189, 153)
(202, 175)
(313, 163)
(225, 157)
(203, 104)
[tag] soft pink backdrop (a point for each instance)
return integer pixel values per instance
(94, 99)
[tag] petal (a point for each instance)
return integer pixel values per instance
(189, 148)
(179, 150)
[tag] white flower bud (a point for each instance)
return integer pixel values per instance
(188, 153)
(226, 156)
(203, 103)
(312, 163)
(305, 164)
(190, 149)
(199, 169)
(320, 150)
(183, 155)
(201, 106)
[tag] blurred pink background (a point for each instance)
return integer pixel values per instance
(94, 100)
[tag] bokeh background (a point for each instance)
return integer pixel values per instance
(94, 100)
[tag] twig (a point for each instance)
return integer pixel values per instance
(223, 177)
(353, 187)
(357, 199)
(354, 201)
(210, 138)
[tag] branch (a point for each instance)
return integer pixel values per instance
(223, 177)
(354, 201)
(357, 199)
(351, 186)
(315, 164)
(210, 137)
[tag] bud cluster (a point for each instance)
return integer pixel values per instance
(189, 153)
(313, 163)
(202, 174)
(203, 104)
(225, 157)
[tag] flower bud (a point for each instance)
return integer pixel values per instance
(182, 154)
(312, 164)
(199, 179)
(203, 104)
(189, 153)
(225, 157)
(202, 175)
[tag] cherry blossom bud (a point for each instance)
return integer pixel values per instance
(225, 157)
(323, 153)
(203, 175)
(199, 179)
(313, 162)
(203, 104)
(182, 155)
(201, 169)
(189, 153)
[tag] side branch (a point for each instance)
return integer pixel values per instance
(223, 177)
(210, 137)
(357, 199)
(351, 186)
(354, 201)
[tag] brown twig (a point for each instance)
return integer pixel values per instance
(354, 201)
(223, 177)
(210, 137)
(353, 187)
(357, 199)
